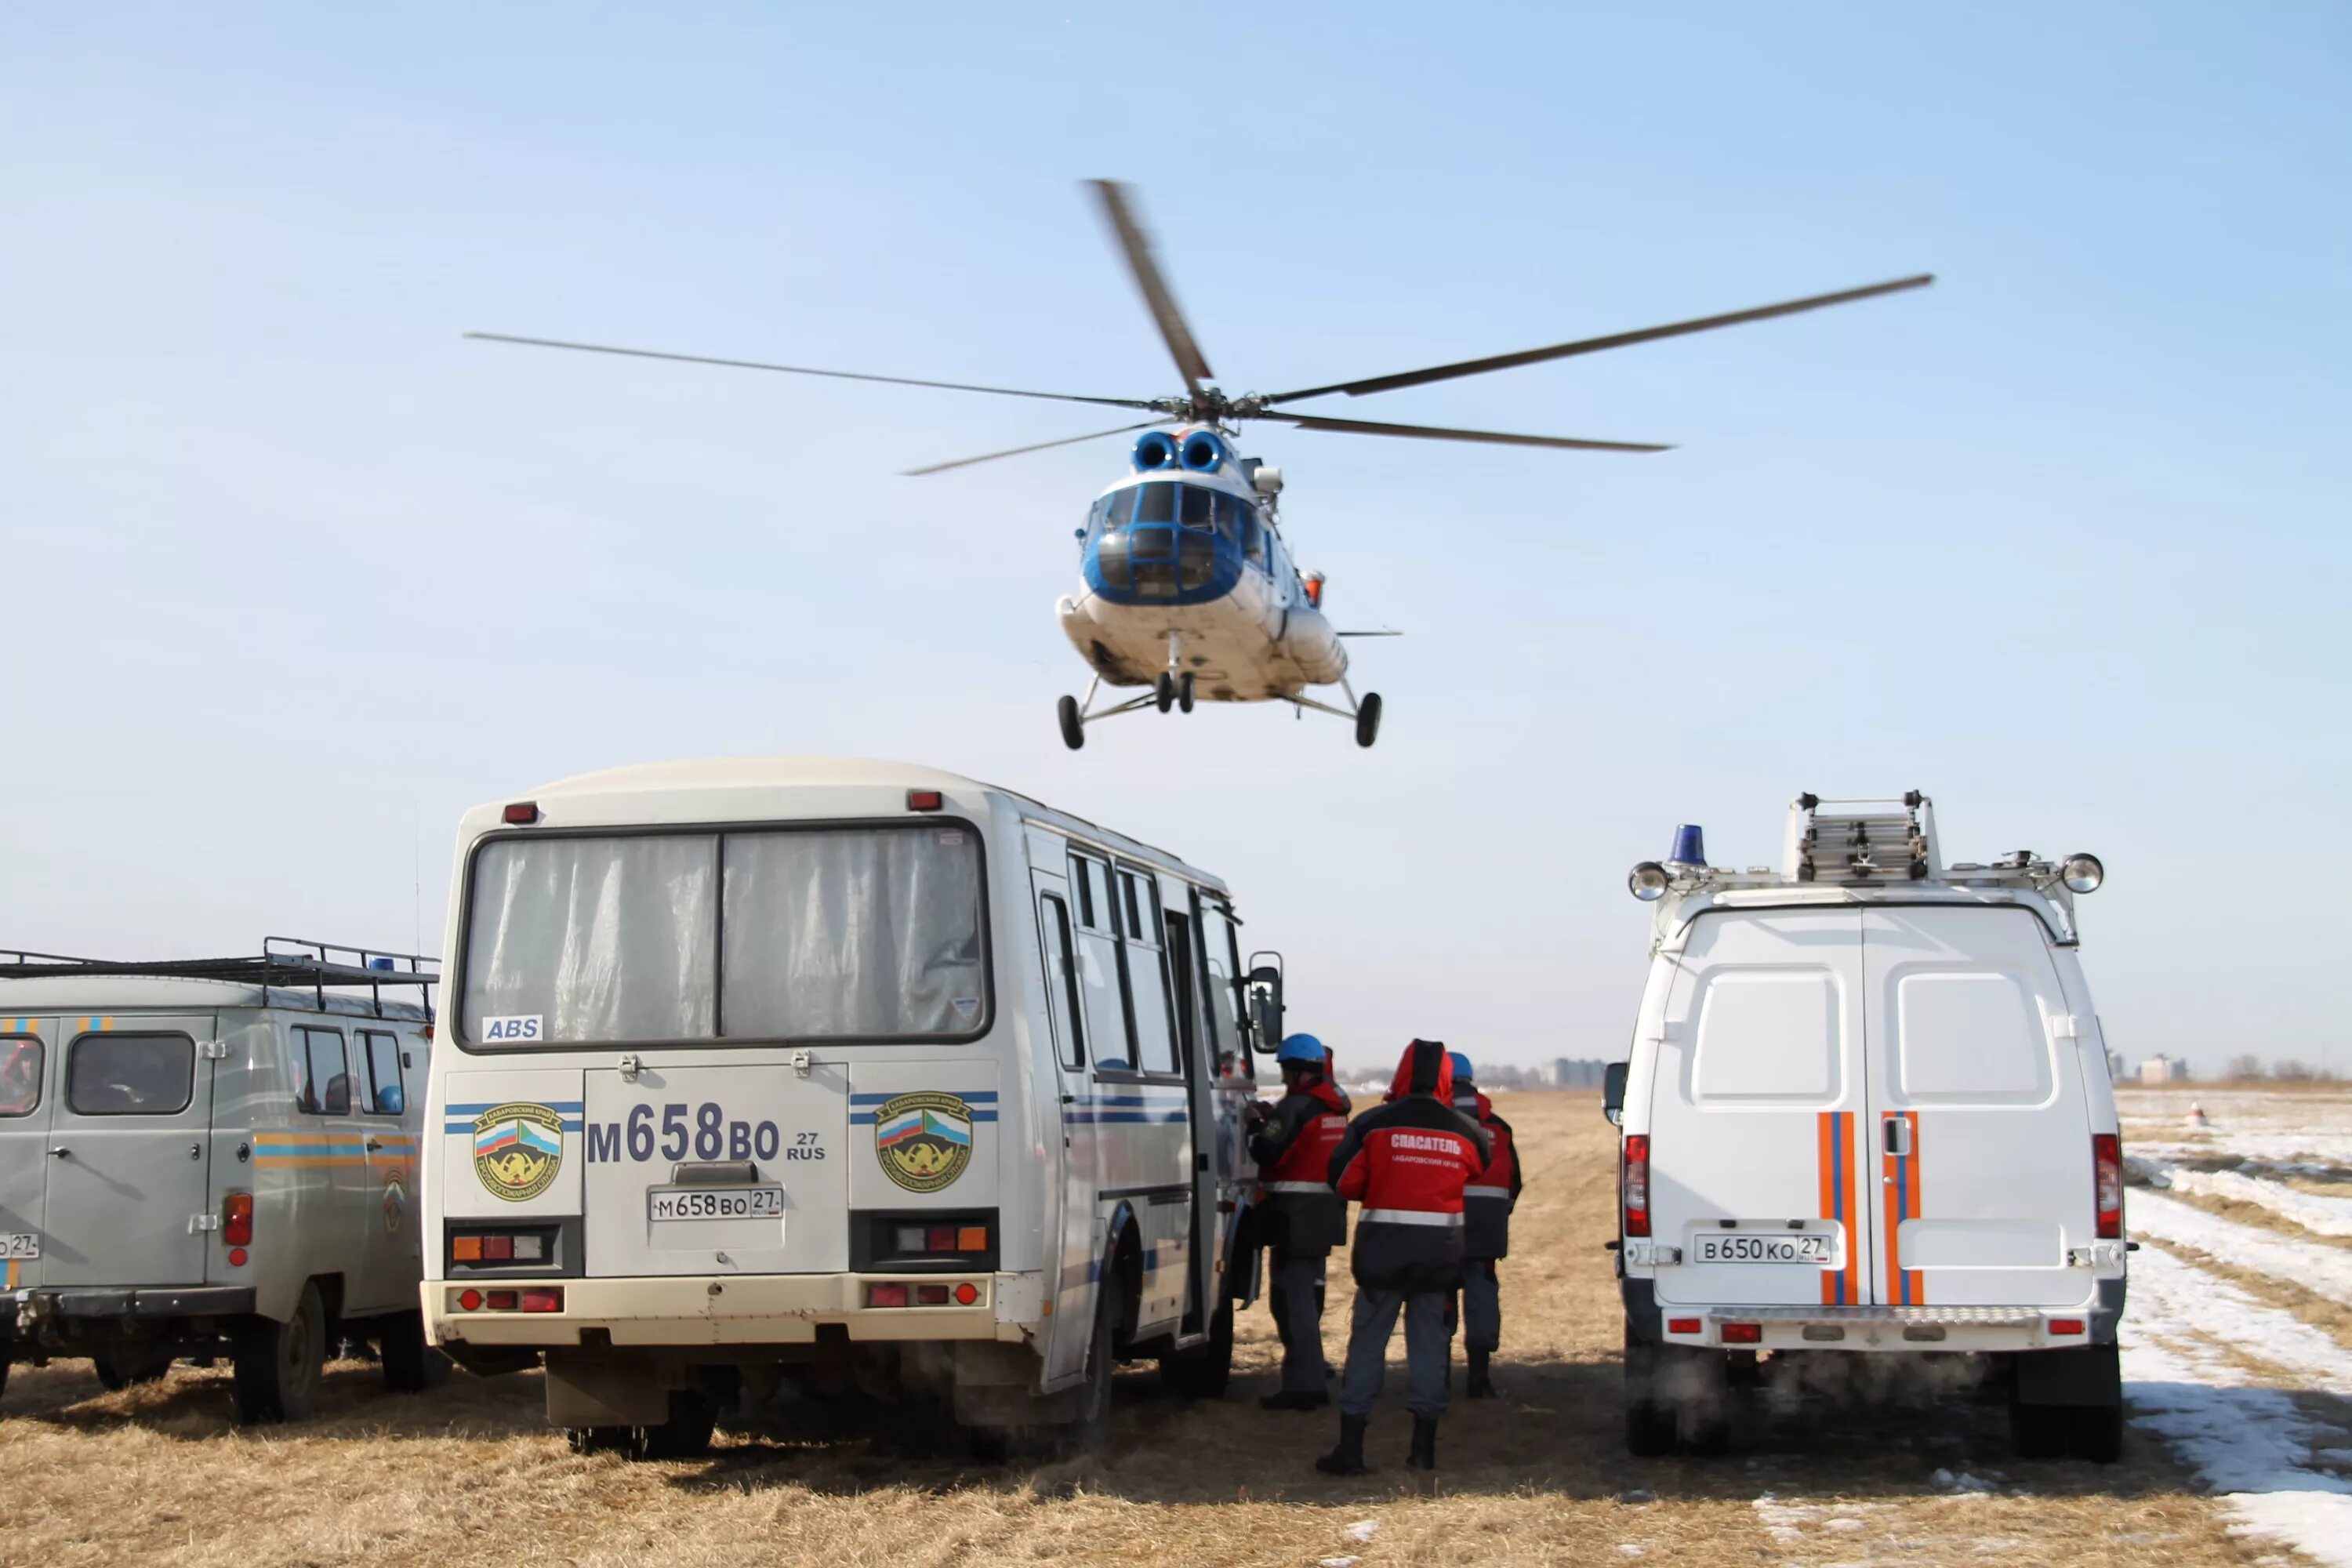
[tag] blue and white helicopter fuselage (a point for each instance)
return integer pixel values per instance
(1190, 589)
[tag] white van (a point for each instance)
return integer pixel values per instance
(213, 1157)
(836, 1071)
(1867, 1109)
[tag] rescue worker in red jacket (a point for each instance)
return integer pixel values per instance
(1486, 1204)
(1407, 1162)
(1302, 1219)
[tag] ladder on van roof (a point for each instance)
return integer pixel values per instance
(1862, 840)
(288, 962)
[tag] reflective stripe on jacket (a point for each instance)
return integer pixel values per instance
(1407, 1162)
(1495, 1191)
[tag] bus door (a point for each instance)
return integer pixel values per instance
(1070, 1265)
(1196, 1042)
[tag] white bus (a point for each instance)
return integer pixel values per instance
(828, 1070)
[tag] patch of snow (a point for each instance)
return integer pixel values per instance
(2323, 1270)
(1338, 1563)
(1362, 1530)
(1639, 1494)
(2250, 1444)
(2320, 1215)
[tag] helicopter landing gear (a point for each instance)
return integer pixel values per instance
(1365, 711)
(1163, 692)
(1076, 714)
(1368, 719)
(1073, 728)
(1184, 692)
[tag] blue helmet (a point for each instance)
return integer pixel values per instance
(1300, 1048)
(1461, 1073)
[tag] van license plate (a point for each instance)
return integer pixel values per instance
(1752, 1247)
(20, 1244)
(715, 1203)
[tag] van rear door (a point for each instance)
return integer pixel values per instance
(129, 1152)
(1755, 1099)
(27, 1047)
(1979, 1131)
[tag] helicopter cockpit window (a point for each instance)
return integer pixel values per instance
(1254, 541)
(1119, 509)
(1199, 508)
(1159, 503)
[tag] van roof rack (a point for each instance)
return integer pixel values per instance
(283, 961)
(1861, 839)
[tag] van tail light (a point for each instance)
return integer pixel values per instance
(237, 1219)
(2107, 1181)
(2065, 1325)
(1743, 1333)
(1633, 1183)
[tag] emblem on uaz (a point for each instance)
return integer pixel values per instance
(923, 1140)
(518, 1148)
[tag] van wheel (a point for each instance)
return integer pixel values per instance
(2037, 1431)
(685, 1435)
(3, 1375)
(280, 1365)
(1202, 1371)
(2095, 1432)
(410, 1365)
(1649, 1425)
(1093, 1425)
(1702, 1396)
(129, 1366)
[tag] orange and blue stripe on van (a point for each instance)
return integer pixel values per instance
(1905, 1286)
(308, 1147)
(1841, 1286)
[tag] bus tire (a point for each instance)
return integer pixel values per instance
(131, 1365)
(685, 1435)
(1202, 1371)
(278, 1366)
(410, 1365)
(1088, 1433)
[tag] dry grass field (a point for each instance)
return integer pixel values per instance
(469, 1474)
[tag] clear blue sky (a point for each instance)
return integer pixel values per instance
(295, 575)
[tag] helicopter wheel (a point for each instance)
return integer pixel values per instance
(1184, 692)
(1074, 729)
(1163, 691)
(1368, 719)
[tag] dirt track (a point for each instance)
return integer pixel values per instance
(469, 1474)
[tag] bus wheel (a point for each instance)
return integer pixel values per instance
(1093, 1424)
(1074, 729)
(686, 1434)
(280, 1365)
(131, 1365)
(1202, 1371)
(410, 1365)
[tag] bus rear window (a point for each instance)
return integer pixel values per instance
(832, 933)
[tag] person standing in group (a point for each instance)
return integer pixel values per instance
(1407, 1163)
(1486, 1204)
(1303, 1218)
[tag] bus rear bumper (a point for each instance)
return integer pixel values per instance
(701, 1310)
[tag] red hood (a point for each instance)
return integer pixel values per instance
(1424, 1068)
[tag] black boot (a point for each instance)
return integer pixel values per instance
(1314, 1399)
(1423, 1456)
(1482, 1386)
(1348, 1459)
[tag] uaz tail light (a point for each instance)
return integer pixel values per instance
(237, 1219)
(1633, 1182)
(2107, 1181)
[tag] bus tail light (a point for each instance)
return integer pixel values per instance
(2107, 1181)
(542, 1300)
(237, 1219)
(1633, 1183)
(885, 1295)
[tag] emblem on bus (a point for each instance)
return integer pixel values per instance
(923, 1140)
(518, 1148)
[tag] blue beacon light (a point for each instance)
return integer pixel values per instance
(1690, 846)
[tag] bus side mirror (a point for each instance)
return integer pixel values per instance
(1266, 1005)
(1612, 1092)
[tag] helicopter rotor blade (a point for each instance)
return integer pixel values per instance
(805, 370)
(1594, 345)
(1440, 433)
(1016, 451)
(1137, 247)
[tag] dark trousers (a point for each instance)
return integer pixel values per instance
(1296, 1296)
(1482, 1306)
(1368, 1351)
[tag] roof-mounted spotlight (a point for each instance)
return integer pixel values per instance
(1648, 882)
(2082, 873)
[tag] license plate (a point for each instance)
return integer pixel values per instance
(20, 1244)
(715, 1203)
(1760, 1246)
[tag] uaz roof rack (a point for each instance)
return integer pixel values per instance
(282, 961)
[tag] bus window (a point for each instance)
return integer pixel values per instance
(1147, 971)
(1217, 953)
(1062, 996)
(1101, 971)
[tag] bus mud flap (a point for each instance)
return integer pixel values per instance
(607, 1390)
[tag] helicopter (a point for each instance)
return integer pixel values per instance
(1190, 591)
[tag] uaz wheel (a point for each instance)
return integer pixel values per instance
(280, 1365)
